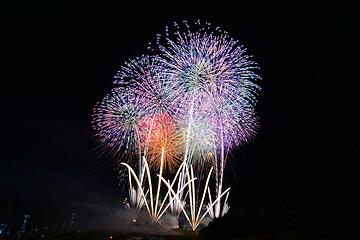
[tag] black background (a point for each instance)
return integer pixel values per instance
(58, 59)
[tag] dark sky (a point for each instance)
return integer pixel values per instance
(58, 58)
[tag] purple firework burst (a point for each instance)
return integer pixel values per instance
(116, 122)
(215, 80)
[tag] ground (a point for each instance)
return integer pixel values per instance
(153, 234)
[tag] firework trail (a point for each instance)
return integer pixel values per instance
(194, 216)
(157, 209)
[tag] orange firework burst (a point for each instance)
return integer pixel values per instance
(161, 133)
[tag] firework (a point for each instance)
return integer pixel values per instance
(216, 84)
(116, 121)
(146, 76)
(194, 101)
(162, 134)
(157, 209)
(194, 216)
(197, 130)
(136, 201)
(213, 76)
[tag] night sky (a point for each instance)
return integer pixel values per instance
(58, 59)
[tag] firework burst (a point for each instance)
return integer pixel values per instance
(211, 72)
(116, 121)
(162, 134)
(146, 76)
(194, 101)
